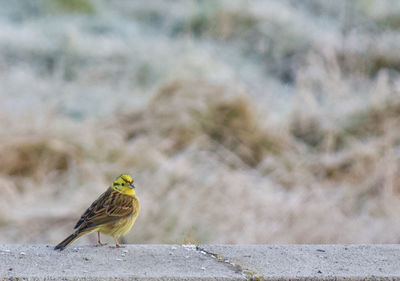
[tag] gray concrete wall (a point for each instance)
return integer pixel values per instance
(205, 262)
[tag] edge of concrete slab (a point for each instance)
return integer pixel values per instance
(201, 262)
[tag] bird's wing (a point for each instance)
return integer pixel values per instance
(110, 206)
(95, 207)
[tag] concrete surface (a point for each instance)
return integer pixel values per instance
(205, 262)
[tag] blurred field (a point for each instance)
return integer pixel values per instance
(241, 121)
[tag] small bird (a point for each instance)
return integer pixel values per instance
(113, 213)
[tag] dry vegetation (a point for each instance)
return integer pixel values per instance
(274, 122)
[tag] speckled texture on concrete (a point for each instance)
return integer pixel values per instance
(317, 262)
(207, 262)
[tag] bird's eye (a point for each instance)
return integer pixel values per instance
(123, 184)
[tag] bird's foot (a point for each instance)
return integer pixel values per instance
(118, 246)
(99, 244)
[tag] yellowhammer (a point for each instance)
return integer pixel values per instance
(113, 213)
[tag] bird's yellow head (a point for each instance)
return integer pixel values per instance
(124, 184)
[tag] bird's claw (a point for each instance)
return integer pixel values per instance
(118, 246)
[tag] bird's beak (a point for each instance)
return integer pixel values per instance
(131, 186)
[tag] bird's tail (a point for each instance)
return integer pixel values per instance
(68, 240)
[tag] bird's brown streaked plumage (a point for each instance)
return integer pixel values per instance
(113, 213)
(104, 210)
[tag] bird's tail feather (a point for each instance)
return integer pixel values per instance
(68, 240)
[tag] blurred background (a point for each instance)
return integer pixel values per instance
(241, 121)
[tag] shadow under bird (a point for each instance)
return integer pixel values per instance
(113, 213)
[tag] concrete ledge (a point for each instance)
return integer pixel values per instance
(205, 262)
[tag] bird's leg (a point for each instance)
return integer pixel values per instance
(98, 239)
(117, 245)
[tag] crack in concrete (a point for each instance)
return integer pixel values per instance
(250, 275)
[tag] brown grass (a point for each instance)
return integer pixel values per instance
(37, 158)
(377, 120)
(233, 124)
(184, 110)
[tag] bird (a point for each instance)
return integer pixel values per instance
(113, 213)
